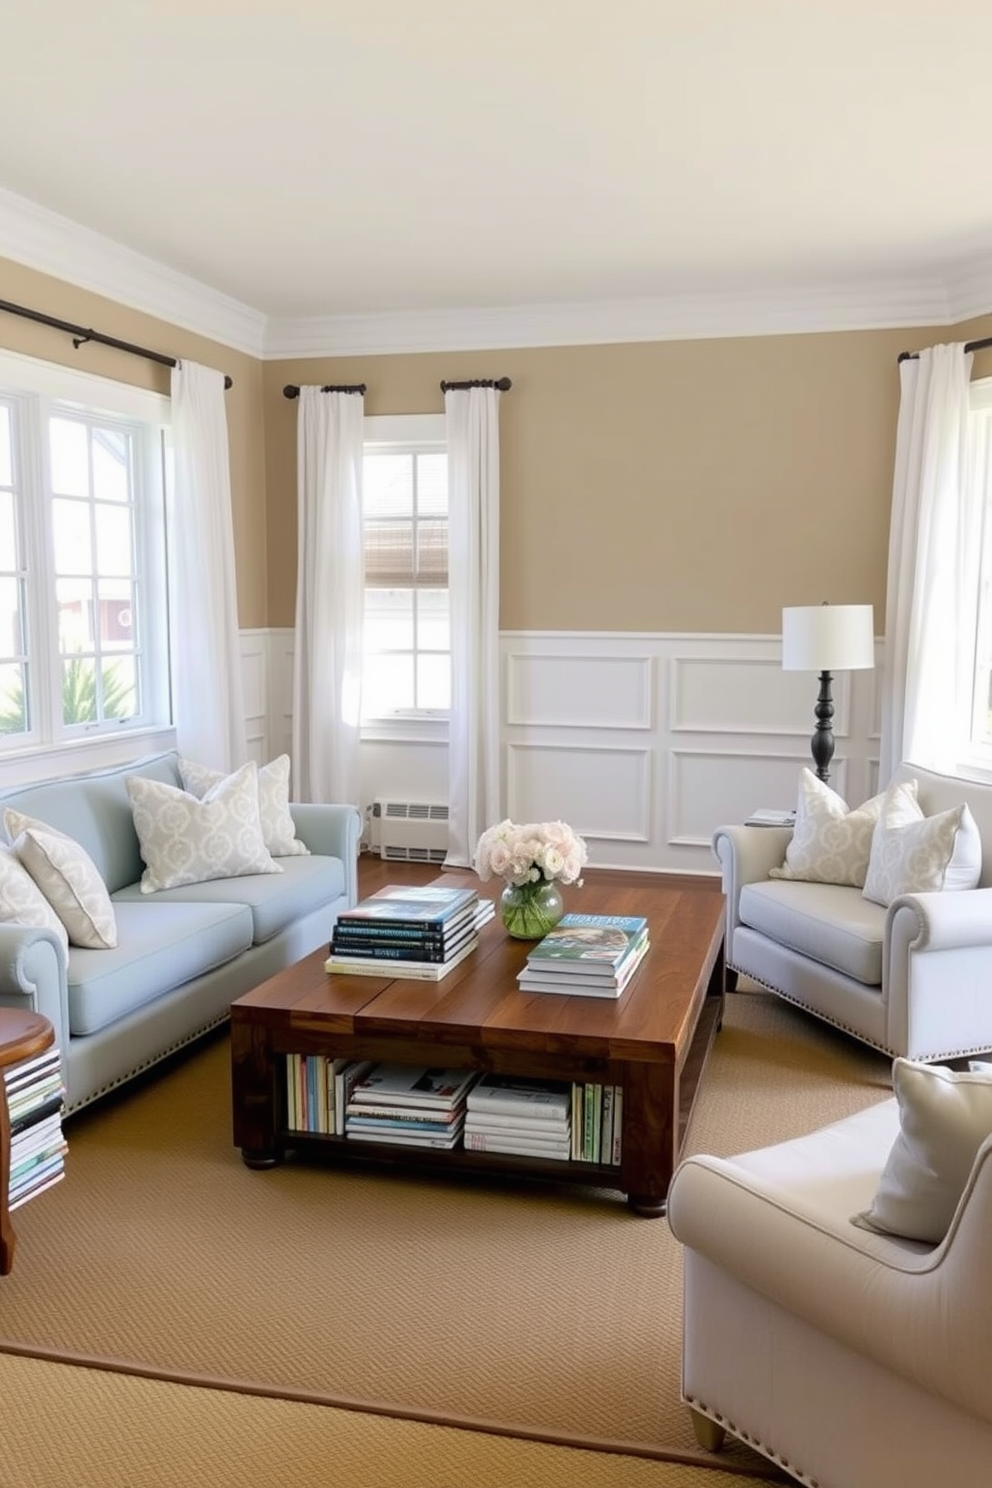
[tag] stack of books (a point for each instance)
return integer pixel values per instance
(35, 1096)
(411, 1105)
(408, 931)
(530, 1118)
(587, 955)
(318, 1089)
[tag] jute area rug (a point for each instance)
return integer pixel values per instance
(534, 1310)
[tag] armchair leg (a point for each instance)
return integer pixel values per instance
(709, 1435)
(730, 982)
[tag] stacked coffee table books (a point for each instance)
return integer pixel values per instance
(531, 1118)
(410, 1105)
(405, 930)
(587, 955)
(35, 1096)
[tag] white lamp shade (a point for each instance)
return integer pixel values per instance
(828, 638)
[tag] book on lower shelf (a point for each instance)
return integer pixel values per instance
(420, 1086)
(511, 1095)
(35, 1098)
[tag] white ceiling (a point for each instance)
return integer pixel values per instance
(312, 160)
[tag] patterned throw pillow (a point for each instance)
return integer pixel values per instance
(21, 900)
(830, 844)
(69, 879)
(184, 840)
(278, 828)
(916, 854)
(944, 1117)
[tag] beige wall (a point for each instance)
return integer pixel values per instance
(22, 286)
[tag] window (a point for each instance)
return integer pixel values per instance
(979, 468)
(407, 632)
(83, 617)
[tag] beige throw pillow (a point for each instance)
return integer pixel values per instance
(278, 828)
(184, 840)
(830, 844)
(944, 1117)
(916, 854)
(69, 879)
(21, 900)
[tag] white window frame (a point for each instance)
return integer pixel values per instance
(405, 432)
(976, 756)
(37, 389)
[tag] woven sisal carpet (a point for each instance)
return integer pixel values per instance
(538, 1310)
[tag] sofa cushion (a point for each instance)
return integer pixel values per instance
(944, 1117)
(160, 947)
(186, 840)
(278, 828)
(916, 854)
(21, 900)
(67, 876)
(304, 885)
(833, 924)
(830, 844)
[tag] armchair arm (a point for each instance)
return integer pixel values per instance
(745, 855)
(913, 1309)
(942, 921)
(33, 976)
(333, 832)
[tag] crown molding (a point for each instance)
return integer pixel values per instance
(793, 311)
(969, 292)
(43, 240)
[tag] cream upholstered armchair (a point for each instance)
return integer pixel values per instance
(850, 1357)
(908, 972)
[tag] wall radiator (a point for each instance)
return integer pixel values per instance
(410, 831)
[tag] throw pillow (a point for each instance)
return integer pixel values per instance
(830, 844)
(944, 1117)
(185, 840)
(21, 900)
(278, 828)
(915, 854)
(69, 879)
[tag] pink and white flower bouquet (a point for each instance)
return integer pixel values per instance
(529, 854)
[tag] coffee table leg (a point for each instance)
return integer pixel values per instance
(646, 1207)
(255, 1157)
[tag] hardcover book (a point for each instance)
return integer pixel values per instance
(546, 1100)
(412, 1085)
(561, 981)
(590, 944)
(399, 966)
(410, 904)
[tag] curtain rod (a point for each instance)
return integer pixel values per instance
(911, 356)
(80, 335)
(355, 387)
(503, 384)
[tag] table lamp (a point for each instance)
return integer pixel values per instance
(827, 638)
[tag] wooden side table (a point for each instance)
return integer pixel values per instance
(22, 1035)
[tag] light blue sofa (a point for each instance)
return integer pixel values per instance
(183, 955)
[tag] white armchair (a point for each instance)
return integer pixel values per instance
(849, 1358)
(913, 979)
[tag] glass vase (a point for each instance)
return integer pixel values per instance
(530, 910)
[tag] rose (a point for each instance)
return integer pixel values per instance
(528, 853)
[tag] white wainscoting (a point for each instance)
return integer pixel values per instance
(644, 743)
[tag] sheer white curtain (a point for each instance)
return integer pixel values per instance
(207, 691)
(934, 551)
(472, 419)
(330, 593)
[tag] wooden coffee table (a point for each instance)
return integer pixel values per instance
(653, 1041)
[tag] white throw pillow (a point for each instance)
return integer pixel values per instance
(830, 844)
(944, 1117)
(916, 854)
(21, 900)
(278, 828)
(69, 879)
(184, 840)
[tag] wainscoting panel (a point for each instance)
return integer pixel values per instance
(560, 691)
(604, 792)
(748, 695)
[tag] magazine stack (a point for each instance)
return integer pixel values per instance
(410, 1105)
(408, 931)
(587, 955)
(35, 1094)
(530, 1118)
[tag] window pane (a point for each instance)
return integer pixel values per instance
(75, 602)
(433, 620)
(13, 704)
(113, 540)
(71, 530)
(11, 618)
(387, 485)
(432, 484)
(432, 552)
(387, 684)
(6, 449)
(111, 465)
(9, 561)
(116, 604)
(389, 556)
(70, 462)
(120, 688)
(388, 620)
(79, 690)
(433, 682)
